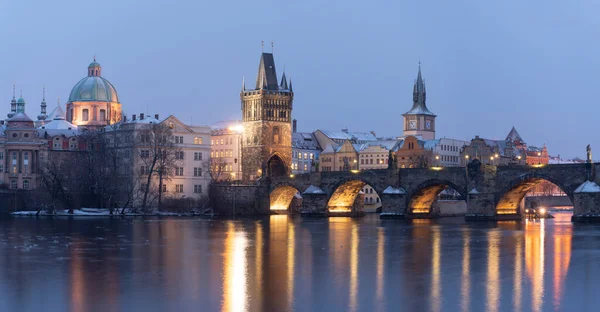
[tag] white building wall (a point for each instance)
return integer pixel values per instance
(447, 152)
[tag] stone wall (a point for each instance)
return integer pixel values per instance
(228, 200)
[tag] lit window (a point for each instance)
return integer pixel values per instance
(197, 140)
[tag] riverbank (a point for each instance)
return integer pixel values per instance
(99, 212)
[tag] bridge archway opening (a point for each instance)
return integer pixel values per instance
(351, 196)
(424, 199)
(550, 196)
(283, 196)
(276, 167)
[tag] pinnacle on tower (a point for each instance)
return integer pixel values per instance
(13, 104)
(284, 84)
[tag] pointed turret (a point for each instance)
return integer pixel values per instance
(419, 97)
(284, 84)
(267, 76)
(13, 104)
(42, 115)
(291, 89)
(513, 135)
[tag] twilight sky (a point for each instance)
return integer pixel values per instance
(488, 65)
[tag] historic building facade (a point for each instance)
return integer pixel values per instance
(93, 102)
(226, 152)
(419, 120)
(267, 118)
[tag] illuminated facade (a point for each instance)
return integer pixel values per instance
(93, 102)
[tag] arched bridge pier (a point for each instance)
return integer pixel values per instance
(490, 192)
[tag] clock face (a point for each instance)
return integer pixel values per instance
(412, 124)
(428, 124)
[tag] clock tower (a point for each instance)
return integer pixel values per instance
(419, 120)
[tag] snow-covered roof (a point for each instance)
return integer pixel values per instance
(474, 191)
(20, 117)
(430, 144)
(57, 111)
(588, 187)
(314, 190)
(393, 190)
(346, 135)
(304, 140)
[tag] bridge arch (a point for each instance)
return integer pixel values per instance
(508, 200)
(282, 196)
(425, 195)
(344, 194)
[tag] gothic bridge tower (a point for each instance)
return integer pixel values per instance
(267, 116)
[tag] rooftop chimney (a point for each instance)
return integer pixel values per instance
(294, 125)
(133, 117)
(155, 116)
(141, 116)
(124, 118)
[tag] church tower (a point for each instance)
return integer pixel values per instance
(419, 120)
(267, 136)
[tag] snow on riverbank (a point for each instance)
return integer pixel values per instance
(97, 212)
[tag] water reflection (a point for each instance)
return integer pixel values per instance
(234, 268)
(465, 288)
(284, 263)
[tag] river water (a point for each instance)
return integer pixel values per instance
(282, 263)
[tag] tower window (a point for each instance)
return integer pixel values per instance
(85, 114)
(102, 115)
(276, 136)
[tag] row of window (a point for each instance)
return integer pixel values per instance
(178, 155)
(449, 148)
(295, 167)
(370, 161)
(223, 141)
(13, 184)
(145, 170)
(447, 158)
(298, 155)
(221, 153)
(178, 187)
(369, 200)
(85, 115)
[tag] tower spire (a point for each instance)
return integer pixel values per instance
(243, 83)
(42, 115)
(14, 87)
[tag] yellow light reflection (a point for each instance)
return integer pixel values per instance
(518, 276)
(258, 250)
(493, 271)
(436, 286)
(465, 281)
(340, 209)
(380, 263)
(235, 275)
(420, 210)
(562, 257)
(354, 268)
(291, 263)
(534, 260)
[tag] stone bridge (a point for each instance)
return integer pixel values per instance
(491, 192)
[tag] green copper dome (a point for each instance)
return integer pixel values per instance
(94, 88)
(21, 100)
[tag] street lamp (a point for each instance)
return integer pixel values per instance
(492, 160)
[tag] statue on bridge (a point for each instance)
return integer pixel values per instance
(589, 153)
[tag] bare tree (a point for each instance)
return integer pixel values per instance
(157, 152)
(217, 167)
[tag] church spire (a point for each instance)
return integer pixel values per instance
(419, 96)
(243, 83)
(42, 115)
(13, 103)
(291, 89)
